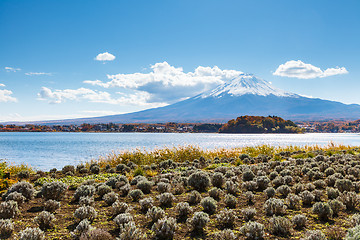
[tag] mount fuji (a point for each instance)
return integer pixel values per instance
(243, 95)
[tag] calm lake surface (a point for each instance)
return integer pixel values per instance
(48, 150)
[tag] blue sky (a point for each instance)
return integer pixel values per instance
(49, 67)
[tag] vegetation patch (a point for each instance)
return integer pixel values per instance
(196, 194)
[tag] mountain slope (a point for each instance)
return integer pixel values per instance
(244, 95)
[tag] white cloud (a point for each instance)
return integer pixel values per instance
(15, 117)
(59, 96)
(10, 117)
(2, 85)
(335, 71)
(37, 73)
(96, 113)
(5, 96)
(299, 69)
(11, 69)
(105, 57)
(166, 83)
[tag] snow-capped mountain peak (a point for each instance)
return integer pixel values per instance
(246, 84)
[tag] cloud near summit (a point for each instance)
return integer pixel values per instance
(166, 83)
(299, 69)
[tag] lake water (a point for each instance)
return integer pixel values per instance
(48, 150)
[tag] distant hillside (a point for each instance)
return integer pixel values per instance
(256, 124)
(244, 95)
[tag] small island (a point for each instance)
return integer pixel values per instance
(258, 124)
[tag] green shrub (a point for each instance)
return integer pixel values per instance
(194, 197)
(94, 168)
(8, 209)
(232, 187)
(6, 228)
(122, 219)
(163, 187)
(299, 221)
(218, 180)
(315, 235)
(44, 220)
(248, 213)
(270, 192)
(343, 185)
(252, 230)
(274, 206)
(293, 201)
(183, 210)
(118, 208)
(307, 198)
(102, 189)
(110, 198)
(85, 212)
(355, 219)
(164, 228)
(17, 197)
(248, 175)
(200, 181)
(31, 234)
(25, 188)
(209, 205)
(51, 205)
(226, 218)
(230, 201)
(86, 201)
(166, 199)
(137, 179)
(96, 234)
(226, 234)
(155, 213)
(199, 221)
(323, 210)
(280, 226)
(146, 203)
(136, 195)
(215, 193)
(262, 182)
(332, 193)
(53, 190)
(336, 206)
(84, 191)
(83, 227)
(249, 196)
(129, 231)
(145, 186)
(350, 199)
(284, 190)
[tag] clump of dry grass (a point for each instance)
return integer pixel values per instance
(191, 152)
(13, 169)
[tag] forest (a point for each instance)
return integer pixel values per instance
(258, 124)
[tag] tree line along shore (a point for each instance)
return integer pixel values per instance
(243, 124)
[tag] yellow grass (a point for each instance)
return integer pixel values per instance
(13, 169)
(191, 152)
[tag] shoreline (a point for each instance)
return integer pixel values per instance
(194, 151)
